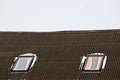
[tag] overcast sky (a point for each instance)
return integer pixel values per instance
(57, 15)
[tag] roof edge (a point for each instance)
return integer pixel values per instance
(60, 32)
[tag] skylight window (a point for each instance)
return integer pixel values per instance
(24, 62)
(94, 62)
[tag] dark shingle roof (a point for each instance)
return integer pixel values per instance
(59, 54)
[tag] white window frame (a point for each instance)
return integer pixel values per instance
(84, 61)
(31, 64)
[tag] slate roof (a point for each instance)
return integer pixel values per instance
(59, 54)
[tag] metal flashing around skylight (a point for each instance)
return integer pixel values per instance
(23, 62)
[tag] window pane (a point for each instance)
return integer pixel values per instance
(23, 63)
(93, 63)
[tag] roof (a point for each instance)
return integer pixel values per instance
(59, 54)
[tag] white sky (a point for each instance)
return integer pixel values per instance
(56, 15)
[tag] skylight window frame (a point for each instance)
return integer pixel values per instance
(99, 66)
(93, 70)
(18, 60)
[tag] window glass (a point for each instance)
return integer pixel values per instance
(23, 63)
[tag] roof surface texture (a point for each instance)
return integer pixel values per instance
(59, 54)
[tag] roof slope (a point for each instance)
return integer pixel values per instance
(59, 54)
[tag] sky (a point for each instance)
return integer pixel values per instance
(58, 15)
